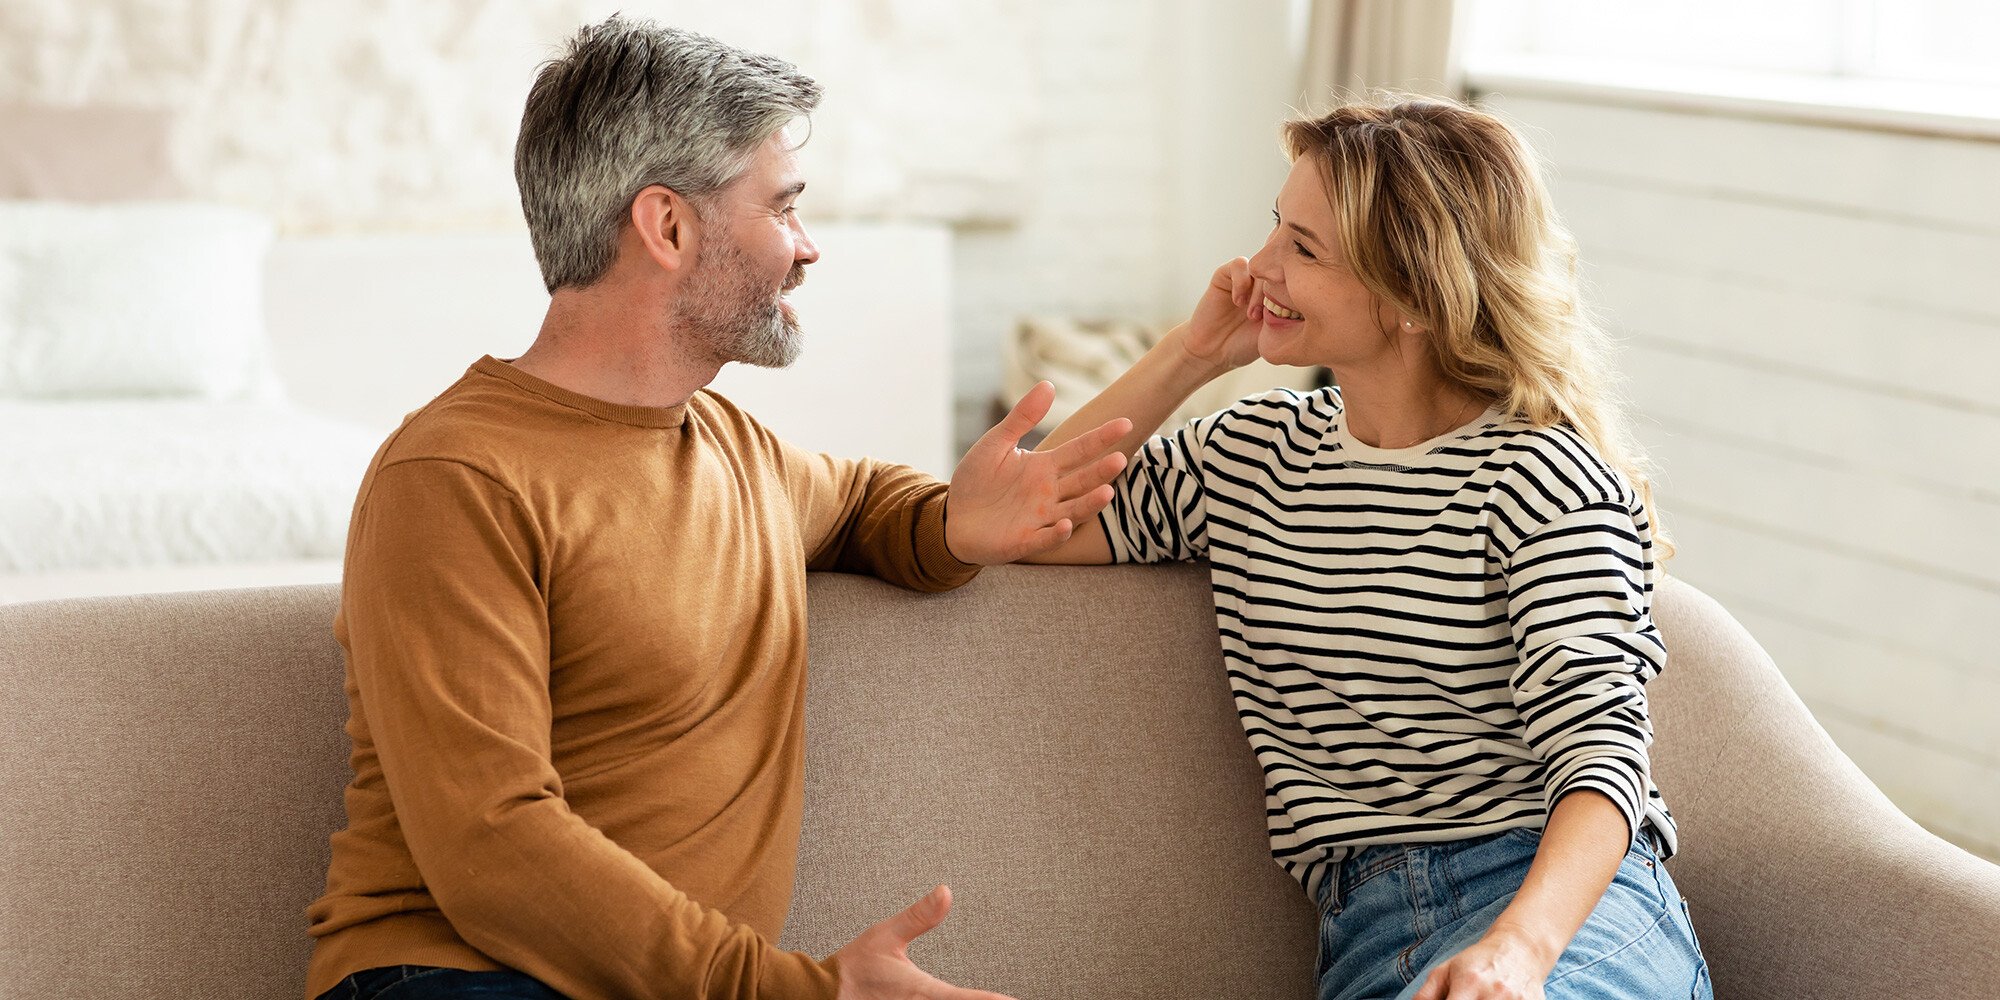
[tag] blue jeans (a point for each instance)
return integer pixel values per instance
(1391, 914)
(426, 982)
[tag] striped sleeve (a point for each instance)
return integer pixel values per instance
(1159, 510)
(1578, 602)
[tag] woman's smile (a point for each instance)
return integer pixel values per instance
(1273, 308)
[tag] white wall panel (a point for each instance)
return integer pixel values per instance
(1834, 587)
(1885, 175)
(1886, 349)
(1810, 326)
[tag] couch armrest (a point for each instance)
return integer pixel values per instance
(1803, 879)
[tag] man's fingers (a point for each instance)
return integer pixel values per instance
(1087, 506)
(1027, 413)
(1090, 477)
(1048, 538)
(1091, 443)
(946, 991)
(921, 916)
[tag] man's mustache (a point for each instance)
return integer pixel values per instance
(796, 278)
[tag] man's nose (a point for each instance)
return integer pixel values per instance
(806, 252)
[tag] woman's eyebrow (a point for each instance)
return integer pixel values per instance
(1301, 230)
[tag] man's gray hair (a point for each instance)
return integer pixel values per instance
(629, 104)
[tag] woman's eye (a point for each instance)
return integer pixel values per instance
(1303, 252)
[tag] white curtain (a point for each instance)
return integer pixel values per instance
(1355, 45)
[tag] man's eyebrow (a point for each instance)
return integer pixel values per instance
(789, 193)
(1301, 230)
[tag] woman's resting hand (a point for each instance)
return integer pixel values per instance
(1222, 333)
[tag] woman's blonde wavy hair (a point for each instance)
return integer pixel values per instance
(1442, 214)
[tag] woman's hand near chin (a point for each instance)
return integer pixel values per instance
(1220, 336)
(1222, 333)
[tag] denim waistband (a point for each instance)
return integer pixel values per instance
(1340, 877)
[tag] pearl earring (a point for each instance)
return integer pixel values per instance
(1408, 325)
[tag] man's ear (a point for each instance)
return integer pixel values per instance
(666, 226)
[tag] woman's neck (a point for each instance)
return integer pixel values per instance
(1394, 413)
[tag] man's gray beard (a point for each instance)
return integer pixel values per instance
(736, 321)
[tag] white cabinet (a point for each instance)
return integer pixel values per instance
(372, 327)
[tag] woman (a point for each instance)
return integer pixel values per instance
(1433, 583)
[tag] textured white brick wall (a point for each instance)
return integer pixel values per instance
(1095, 211)
(1096, 158)
(1153, 158)
(366, 115)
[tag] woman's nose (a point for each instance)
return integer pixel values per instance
(1261, 263)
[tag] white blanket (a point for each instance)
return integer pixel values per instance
(116, 483)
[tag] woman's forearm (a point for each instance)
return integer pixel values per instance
(1147, 394)
(1583, 843)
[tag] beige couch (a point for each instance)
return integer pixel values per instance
(1058, 744)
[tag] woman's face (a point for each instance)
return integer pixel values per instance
(1323, 314)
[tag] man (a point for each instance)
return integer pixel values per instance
(573, 604)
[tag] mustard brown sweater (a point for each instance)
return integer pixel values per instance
(576, 654)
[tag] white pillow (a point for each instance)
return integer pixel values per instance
(132, 299)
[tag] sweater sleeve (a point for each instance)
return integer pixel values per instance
(443, 617)
(1579, 605)
(1158, 509)
(877, 518)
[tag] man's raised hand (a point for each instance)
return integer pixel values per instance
(876, 965)
(1007, 504)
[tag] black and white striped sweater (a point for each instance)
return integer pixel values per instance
(1425, 644)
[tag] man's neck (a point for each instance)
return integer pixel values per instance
(607, 346)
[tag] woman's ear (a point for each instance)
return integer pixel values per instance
(665, 225)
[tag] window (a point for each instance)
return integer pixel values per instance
(1932, 62)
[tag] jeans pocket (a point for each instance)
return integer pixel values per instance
(1634, 908)
(370, 983)
(1694, 936)
(1329, 909)
(413, 981)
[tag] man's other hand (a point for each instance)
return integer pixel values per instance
(876, 965)
(1007, 504)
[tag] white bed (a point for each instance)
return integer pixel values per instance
(103, 484)
(143, 428)
(105, 495)
(188, 401)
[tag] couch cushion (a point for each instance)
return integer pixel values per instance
(171, 768)
(1059, 745)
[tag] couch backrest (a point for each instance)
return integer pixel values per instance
(171, 767)
(1055, 744)
(1058, 744)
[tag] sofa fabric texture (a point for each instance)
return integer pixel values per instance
(1058, 744)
